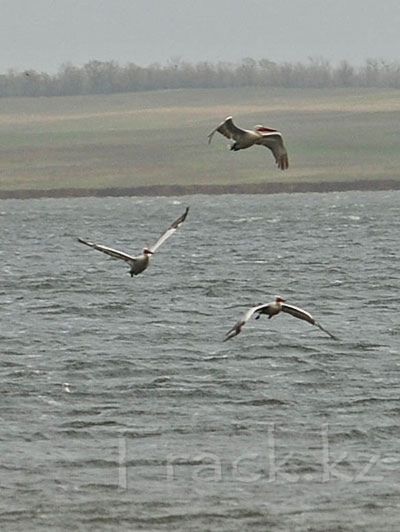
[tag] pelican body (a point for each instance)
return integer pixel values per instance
(140, 263)
(260, 135)
(272, 309)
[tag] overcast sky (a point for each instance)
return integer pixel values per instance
(44, 34)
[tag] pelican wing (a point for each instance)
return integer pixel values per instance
(170, 231)
(236, 329)
(228, 129)
(114, 253)
(274, 142)
(263, 309)
(251, 311)
(298, 313)
(306, 316)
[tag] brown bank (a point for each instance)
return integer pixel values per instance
(187, 190)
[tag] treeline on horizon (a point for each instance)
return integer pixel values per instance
(107, 77)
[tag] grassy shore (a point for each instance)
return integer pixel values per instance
(337, 139)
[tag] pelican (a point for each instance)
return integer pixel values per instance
(140, 263)
(244, 138)
(272, 309)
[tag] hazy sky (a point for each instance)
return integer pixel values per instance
(43, 34)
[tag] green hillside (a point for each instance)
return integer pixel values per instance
(160, 138)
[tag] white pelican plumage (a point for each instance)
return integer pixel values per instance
(244, 138)
(140, 263)
(272, 309)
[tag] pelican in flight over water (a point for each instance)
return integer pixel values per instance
(271, 309)
(263, 136)
(140, 263)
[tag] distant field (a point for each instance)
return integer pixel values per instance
(160, 138)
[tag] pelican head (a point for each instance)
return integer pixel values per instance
(279, 299)
(147, 251)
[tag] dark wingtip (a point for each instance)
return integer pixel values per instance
(332, 335)
(86, 242)
(326, 332)
(283, 163)
(185, 214)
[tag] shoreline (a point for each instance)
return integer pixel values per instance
(188, 190)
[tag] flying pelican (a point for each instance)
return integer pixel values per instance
(140, 263)
(271, 309)
(244, 138)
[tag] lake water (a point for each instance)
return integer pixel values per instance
(122, 409)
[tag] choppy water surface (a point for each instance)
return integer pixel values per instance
(123, 409)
